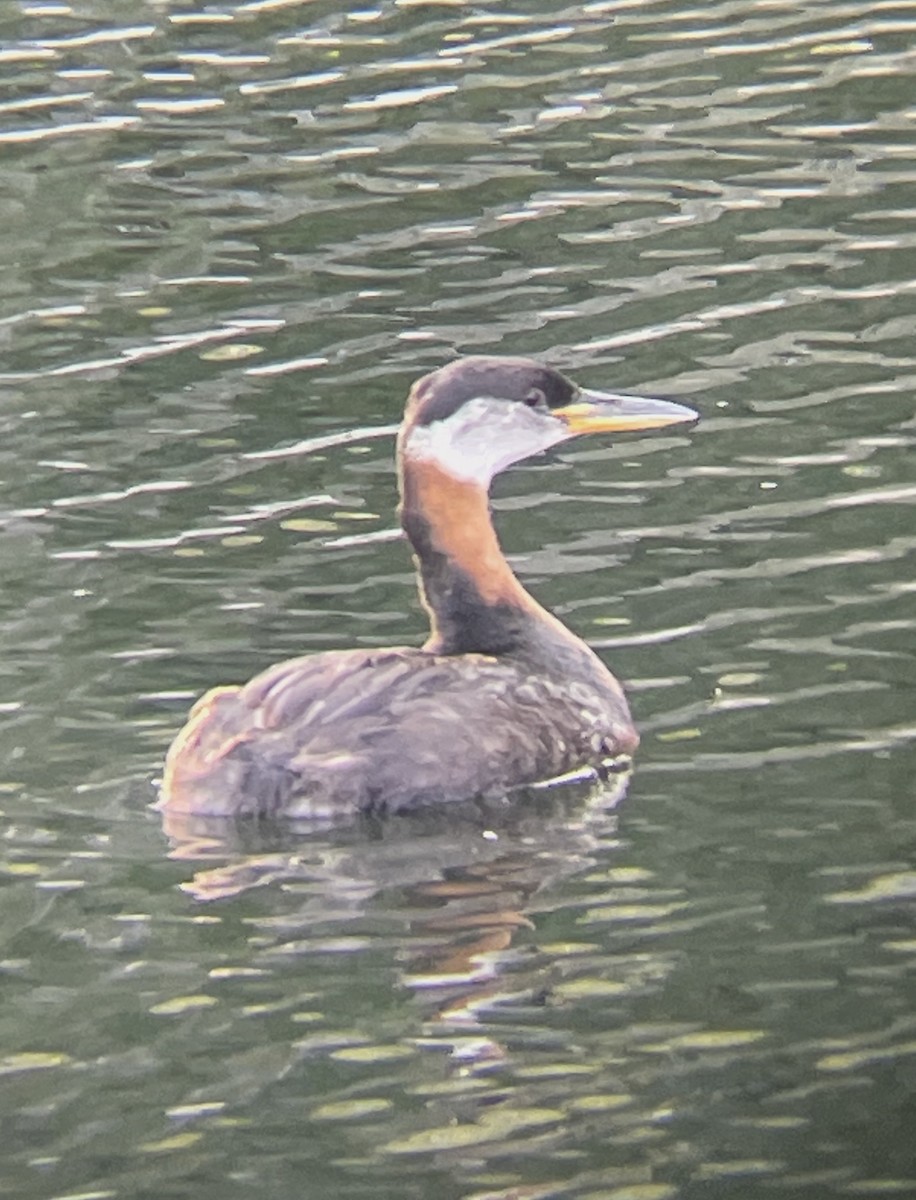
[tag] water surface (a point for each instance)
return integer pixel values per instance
(233, 235)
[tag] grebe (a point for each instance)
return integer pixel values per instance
(501, 694)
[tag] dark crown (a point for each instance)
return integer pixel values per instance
(437, 396)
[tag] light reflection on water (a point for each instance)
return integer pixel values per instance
(233, 237)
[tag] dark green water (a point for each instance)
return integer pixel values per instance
(232, 237)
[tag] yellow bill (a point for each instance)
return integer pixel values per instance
(610, 412)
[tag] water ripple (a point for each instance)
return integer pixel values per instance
(233, 236)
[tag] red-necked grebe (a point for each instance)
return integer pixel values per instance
(501, 694)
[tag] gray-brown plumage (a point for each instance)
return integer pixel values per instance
(501, 695)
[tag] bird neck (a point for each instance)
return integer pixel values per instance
(474, 601)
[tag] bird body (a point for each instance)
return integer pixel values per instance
(386, 730)
(501, 695)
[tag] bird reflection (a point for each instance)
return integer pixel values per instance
(461, 882)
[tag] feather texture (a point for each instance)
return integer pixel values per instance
(387, 730)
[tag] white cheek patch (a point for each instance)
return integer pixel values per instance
(483, 437)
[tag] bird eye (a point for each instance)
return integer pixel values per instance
(536, 399)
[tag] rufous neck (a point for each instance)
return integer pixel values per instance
(475, 602)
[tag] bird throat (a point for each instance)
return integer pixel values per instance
(475, 602)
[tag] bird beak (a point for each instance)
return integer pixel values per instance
(609, 412)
